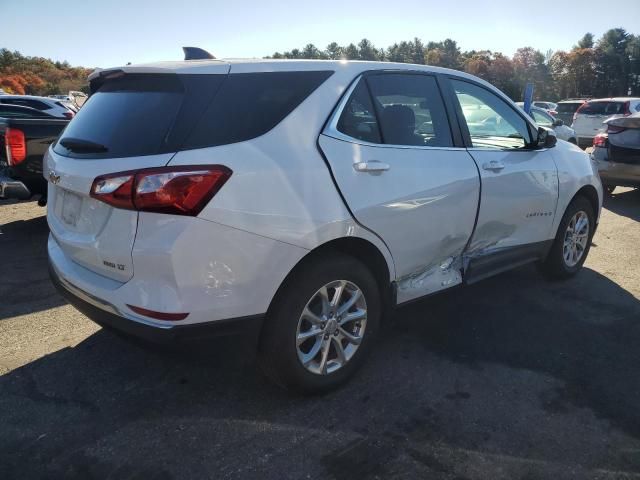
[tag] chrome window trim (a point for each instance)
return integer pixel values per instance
(331, 130)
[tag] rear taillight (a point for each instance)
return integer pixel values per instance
(68, 114)
(173, 190)
(600, 140)
(615, 129)
(15, 145)
(553, 112)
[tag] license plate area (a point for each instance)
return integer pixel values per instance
(71, 207)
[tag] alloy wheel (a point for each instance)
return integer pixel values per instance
(331, 327)
(575, 239)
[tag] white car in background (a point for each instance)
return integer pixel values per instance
(588, 121)
(544, 119)
(302, 200)
(51, 106)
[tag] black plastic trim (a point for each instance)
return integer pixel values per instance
(245, 326)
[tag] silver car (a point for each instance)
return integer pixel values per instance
(617, 152)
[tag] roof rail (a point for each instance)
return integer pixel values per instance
(195, 53)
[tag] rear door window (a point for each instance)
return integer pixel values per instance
(358, 118)
(410, 110)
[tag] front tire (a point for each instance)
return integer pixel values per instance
(322, 324)
(573, 240)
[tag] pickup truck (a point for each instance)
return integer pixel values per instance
(23, 143)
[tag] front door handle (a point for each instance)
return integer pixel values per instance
(493, 165)
(371, 166)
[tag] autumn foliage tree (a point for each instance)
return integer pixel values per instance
(20, 74)
(592, 68)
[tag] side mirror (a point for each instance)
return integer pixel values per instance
(546, 138)
(557, 122)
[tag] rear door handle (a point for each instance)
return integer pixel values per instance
(493, 166)
(371, 166)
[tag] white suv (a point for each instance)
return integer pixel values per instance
(589, 119)
(301, 200)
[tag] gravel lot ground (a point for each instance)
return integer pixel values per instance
(512, 378)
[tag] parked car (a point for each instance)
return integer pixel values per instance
(51, 106)
(74, 100)
(567, 108)
(589, 119)
(548, 106)
(25, 135)
(301, 200)
(18, 111)
(544, 119)
(617, 152)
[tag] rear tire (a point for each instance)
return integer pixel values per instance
(306, 308)
(573, 240)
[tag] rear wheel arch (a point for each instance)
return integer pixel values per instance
(360, 249)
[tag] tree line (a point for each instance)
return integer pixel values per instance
(606, 67)
(20, 74)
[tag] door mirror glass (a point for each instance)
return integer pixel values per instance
(546, 138)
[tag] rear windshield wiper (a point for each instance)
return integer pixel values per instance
(82, 146)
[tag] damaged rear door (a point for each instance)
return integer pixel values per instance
(404, 176)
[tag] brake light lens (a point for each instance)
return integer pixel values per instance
(68, 114)
(553, 113)
(15, 145)
(172, 190)
(600, 140)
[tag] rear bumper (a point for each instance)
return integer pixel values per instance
(108, 316)
(616, 174)
(13, 189)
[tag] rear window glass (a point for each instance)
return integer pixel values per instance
(603, 108)
(149, 114)
(568, 107)
(250, 104)
(140, 114)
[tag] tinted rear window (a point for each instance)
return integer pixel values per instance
(140, 114)
(603, 108)
(149, 114)
(250, 104)
(568, 107)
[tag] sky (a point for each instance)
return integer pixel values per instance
(103, 33)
